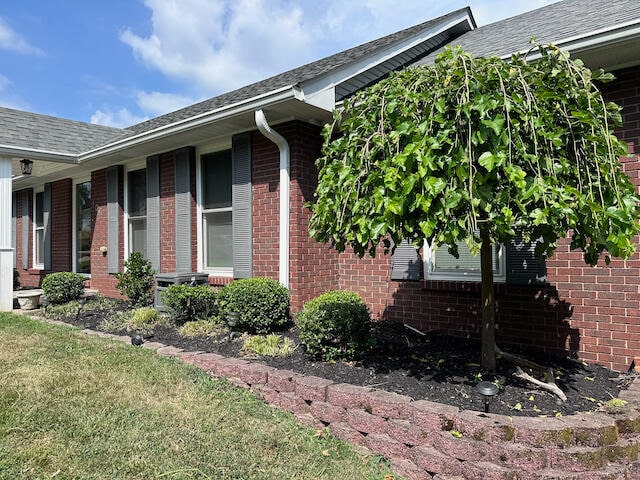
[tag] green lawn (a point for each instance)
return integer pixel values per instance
(79, 407)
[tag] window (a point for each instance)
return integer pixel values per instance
(38, 227)
(441, 265)
(217, 212)
(83, 227)
(137, 211)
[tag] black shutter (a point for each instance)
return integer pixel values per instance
(405, 262)
(182, 165)
(241, 201)
(14, 214)
(524, 267)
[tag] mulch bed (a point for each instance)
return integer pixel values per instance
(433, 366)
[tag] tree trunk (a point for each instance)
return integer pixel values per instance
(488, 359)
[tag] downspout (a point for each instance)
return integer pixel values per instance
(285, 156)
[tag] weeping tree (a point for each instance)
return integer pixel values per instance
(478, 150)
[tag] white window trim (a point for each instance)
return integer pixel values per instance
(429, 259)
(74, 235)
(138, 165)
(201, 248)
(36, 266)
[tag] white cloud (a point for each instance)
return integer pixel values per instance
(120, 118)
(158, 103)
(220, 45)
(12, 41)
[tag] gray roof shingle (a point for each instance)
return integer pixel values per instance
(549, 24)
(41, 132)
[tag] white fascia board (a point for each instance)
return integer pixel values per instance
(596, 38)
(313, 87)
(254, 103)
(36, 154)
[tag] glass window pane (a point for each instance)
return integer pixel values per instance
(137, 189)
(138, 236)
(219, 241)
(445, 262)
(83, 227)
(40, 246)
(216, 179)
(39, 209)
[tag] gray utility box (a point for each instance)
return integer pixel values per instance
(165, 280)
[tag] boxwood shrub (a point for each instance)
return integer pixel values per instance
(136, 281)
(335, 326)
(62, 287)
(263, 304)
(184, 303)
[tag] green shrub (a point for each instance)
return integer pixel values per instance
(185, 303)
(269, 346)
(200, 328)
(335, 326)
(136, 282)
(62, 287)
(263, 304)
(144, 318)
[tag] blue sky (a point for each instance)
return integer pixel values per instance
(119, 62)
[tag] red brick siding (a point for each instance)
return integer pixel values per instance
(28, 278)
(100, 278)
(313, 267)
(167, 213)
(265, 179)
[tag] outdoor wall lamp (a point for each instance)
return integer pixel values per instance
(26, 166)
(488, 390)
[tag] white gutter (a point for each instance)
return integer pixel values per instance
(245, 106)
(285, 157)
(37, 154)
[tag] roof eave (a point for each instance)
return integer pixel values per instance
(289, 92)
(37, 154)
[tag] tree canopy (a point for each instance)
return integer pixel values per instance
(520, 147)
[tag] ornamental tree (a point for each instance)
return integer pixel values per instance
(479, 150)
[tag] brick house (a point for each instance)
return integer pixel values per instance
(220, 187)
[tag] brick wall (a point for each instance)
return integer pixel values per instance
(27, 277)
(167, 214)
(313, 267)
(100, 277)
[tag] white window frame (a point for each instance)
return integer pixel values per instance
(36, 265)
(74, 209)
(138, 165)
(201, 211)
(431, 273)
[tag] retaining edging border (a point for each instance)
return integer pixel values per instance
(418, 435)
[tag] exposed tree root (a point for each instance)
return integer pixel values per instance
(549, 385)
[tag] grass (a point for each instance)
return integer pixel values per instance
(78, 407)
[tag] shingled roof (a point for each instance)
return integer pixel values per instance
(33, 131)
(292, 77)
(553, 23)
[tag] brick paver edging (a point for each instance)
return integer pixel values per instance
(427, 440)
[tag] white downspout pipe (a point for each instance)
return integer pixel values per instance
(285, 156)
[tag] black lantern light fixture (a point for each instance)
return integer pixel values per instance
(26, 166)
(488, 390)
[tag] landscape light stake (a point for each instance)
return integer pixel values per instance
(488, 390)
(81, 303)
(232, 321)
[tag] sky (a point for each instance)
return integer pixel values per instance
(120, 62)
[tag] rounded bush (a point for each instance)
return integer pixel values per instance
(335, 326)
(263, 304)
(62, 287)
(185, 303)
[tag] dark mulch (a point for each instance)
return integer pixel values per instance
(434, 366)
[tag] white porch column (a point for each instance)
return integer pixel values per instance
(6, 252)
